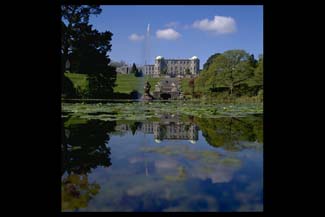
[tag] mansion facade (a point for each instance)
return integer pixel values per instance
(173, 67)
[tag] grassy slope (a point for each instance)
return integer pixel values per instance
(124, 83)
(128, 83)
(78, 80)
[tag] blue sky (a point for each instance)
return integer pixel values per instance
(180, 31)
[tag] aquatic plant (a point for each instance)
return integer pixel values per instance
(138, 111)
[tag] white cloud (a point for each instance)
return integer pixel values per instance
(172, 24)
(169, 34)
(135, 37)
(219, 25)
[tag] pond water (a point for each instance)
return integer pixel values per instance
(170, 161)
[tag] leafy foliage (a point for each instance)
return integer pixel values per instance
(139, 73)
(83, 149)
(91, 151)
(232, 70)
(191, 85)
(101, 85)
(228, 132)
(134, 69)
(257, 79)
(76, 191)
(209, 61)
(87, 49)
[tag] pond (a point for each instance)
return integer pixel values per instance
(162, 157)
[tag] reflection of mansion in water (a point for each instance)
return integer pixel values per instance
(169, 128)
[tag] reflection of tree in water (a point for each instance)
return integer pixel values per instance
(134, 126)
(162, 132)
(77, 191)
(229, 132)
(83, 149)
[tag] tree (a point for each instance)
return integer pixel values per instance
(252, 61)
(72, 16)
(76, 191)
(87, 49)
(206, 81)
(84, 145)
(257, 79)
(209, 61)
(134, 69)
(89, 53)
(139, 73)
(230, 132)
(101, 84)
(134, 126)
(191, 85)
(233, 68)
(84, 148)
(90, 57)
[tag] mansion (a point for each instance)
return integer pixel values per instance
(173, 67)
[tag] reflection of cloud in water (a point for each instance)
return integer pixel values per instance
(145, 186)
(249, 197)
(257, 207)
(220, 174)
(176, 194)
(197, 203)
(166, 164)
(207, 164)
(136, 159)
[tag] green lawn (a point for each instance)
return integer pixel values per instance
(78, 80)
(124, 83)
(128, 83)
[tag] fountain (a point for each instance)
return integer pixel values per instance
(147, 96)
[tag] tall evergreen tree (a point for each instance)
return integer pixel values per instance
(87, 49)
(72, 16)
(134, 69)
